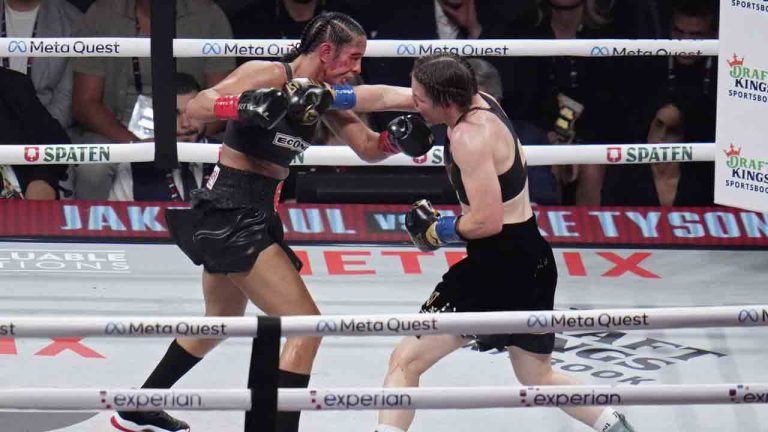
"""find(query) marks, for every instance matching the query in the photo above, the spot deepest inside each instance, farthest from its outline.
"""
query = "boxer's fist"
(420, 222)
(260, 107)
(408, 134)
(307, 100)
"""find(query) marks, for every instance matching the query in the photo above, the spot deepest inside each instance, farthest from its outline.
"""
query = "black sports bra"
(279, 145)
(512, 181)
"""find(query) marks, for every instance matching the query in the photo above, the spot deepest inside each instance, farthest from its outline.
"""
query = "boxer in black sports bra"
(509, 265)
(232, 229)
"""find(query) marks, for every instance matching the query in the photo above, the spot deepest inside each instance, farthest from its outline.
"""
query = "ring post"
(262, 376)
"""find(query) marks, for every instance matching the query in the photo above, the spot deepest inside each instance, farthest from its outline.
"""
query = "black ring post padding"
(163, 82)
(263, 375)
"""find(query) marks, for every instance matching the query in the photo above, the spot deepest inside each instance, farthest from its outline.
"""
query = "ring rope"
(140, 47)
(536, 155)
(395, 324)
(376, 398)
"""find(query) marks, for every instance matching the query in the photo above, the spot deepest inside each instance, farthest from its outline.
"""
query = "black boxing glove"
(307, 100)
(429, 230)
(261, 107)
(408, 134)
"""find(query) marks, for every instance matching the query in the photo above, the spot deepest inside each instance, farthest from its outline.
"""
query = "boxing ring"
(680, 351)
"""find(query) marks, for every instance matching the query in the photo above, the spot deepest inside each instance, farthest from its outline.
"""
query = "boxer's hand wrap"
(429, 230)
(344, 97)
(408, 134)
(308, 100)
(261, 107)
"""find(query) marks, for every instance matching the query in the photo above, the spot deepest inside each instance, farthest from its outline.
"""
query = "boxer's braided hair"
(447, 78)
(335, 27)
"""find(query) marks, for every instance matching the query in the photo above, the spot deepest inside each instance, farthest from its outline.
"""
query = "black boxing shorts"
(513, 270)
(231, 221)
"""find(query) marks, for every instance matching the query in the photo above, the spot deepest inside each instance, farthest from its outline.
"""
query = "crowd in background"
(552, 100)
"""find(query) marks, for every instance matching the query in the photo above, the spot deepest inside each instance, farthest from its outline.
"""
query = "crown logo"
(735, 61)
(732, 151)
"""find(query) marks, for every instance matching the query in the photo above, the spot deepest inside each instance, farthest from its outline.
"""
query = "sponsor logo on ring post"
(741, 394)
(47, 46)
(747, 316)
(365, 326)
(365, 401)
(406, 50)
(15, 46)
(8, 329)
(573, 399)
(538, 320)
(748, 81)
(210, 48)
(644, 154)
(604, 51)
(613, 154)
(324, 326)
(148, 329)
(69, 153)
(746, 173)
(604, 320)
(151, 401)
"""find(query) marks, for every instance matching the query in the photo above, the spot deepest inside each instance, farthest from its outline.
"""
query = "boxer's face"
(424, 105)
(341, 64)
(667, 126)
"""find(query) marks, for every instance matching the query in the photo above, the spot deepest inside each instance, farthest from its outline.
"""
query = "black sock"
(175, 364)
(289, 421)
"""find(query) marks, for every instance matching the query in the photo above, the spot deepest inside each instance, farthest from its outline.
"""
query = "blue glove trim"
(446, 229)
(345, 98)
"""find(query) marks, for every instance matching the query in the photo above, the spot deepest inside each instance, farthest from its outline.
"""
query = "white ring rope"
(390, 325)
(140, 47)
(344, 156)
(375, 398)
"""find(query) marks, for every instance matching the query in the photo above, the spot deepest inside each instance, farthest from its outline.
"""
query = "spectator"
(674, 118)
(51, 76)
(107, 88)
(690, 19)
(432, 19)
(639, 19)
(281, 19)
(573, 96)
(24, 120)
(143, 182)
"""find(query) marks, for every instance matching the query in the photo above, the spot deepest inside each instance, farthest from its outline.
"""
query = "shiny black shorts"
(231, 221)
(514, 270)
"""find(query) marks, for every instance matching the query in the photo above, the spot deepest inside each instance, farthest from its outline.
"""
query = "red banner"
(644, 226)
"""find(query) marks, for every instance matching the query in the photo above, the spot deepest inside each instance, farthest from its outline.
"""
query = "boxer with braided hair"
(232, 229)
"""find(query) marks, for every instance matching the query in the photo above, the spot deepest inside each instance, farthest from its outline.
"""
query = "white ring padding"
(466, 323)
(344, 156)
(140, 47)
(376, 398)
(53, 154)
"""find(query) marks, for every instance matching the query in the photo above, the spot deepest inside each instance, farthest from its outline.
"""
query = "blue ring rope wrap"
(345, 97)
(446, 230)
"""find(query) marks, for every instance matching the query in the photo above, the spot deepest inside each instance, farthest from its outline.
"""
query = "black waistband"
(229, 187)
(512, 236)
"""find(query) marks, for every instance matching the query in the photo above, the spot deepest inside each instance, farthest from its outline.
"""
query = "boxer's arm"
(472, 152)
(351, 130)
(249, 76)
(371, 98)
